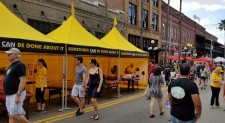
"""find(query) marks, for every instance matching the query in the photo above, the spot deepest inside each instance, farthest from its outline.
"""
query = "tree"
(222, 25)
(222, 28)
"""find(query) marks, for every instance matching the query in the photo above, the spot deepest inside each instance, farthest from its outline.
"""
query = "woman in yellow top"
(216, 81)
(41, 84)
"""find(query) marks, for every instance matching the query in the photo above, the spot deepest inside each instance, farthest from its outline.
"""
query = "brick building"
(193, 36)
(46, 15)
(142, 22)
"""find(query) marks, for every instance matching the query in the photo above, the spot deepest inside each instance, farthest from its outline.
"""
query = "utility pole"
(179, 44)
(167, 30)
(141, 42)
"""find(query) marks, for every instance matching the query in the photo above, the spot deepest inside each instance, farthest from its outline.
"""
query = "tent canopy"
(116, 40)
(13, 27)
(202, 58)
(79, 40)
(16, 33)
(219, 59)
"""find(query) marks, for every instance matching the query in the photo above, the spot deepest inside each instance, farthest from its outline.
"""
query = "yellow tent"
(116, 40)
(139, 66)
(79, 40)
(16, 33)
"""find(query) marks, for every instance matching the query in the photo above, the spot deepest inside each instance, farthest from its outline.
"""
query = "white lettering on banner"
(93, 51)
(8, 44)
(34, 46)
(47, 47)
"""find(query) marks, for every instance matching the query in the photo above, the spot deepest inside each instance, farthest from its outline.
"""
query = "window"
(155, 3)
(132, 14)
(99, 35)
(145, 19)
(135, 40)
(155, 22)
(175, 33)
(42, 26)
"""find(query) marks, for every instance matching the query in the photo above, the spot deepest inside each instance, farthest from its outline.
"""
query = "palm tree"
(222, 27)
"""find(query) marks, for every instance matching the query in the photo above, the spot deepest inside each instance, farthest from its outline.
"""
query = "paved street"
(135, 109)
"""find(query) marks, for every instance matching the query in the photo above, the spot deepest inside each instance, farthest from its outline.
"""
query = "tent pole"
(118, 77)
(66, 108)
(63, 80)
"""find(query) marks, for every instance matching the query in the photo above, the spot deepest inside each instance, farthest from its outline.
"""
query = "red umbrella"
(189, 58)
(176, 58)
(204, 59)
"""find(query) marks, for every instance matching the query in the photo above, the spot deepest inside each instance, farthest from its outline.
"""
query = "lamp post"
(185, 52)
(152, 48)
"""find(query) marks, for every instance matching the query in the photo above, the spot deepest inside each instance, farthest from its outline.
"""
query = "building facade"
(142, 23)
(47, 15)
(193, 36)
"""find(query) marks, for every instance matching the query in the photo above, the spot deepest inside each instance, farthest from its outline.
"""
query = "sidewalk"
(52, 108)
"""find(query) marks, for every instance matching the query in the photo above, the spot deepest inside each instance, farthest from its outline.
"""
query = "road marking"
(71, 114)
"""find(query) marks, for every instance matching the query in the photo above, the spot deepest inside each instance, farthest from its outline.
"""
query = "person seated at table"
(129, 73)
(41, 84)
(95, 79)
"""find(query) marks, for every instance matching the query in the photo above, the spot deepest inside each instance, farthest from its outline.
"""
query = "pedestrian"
(79, 85)
(156, 81)
(216, 81)
(41, 85)
(14, 87)
(203, 74)
(208, 73)
(151, 70)
(184, 98)
(95, 79)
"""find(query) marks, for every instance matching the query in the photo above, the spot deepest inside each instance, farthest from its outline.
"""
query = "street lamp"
(185, 52)
(152, 48)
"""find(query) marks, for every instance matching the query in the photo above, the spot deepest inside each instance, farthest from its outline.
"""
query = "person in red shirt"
(151, 68)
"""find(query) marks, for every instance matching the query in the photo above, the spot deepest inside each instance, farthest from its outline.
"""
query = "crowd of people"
(184, 81)
(15, 80)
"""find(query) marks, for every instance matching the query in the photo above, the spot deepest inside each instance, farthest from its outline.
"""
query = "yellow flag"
(115, 21)
(72, 8)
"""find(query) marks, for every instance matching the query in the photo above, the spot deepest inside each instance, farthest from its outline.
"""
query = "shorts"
(202, 77)
(12, 107)
(76, 91)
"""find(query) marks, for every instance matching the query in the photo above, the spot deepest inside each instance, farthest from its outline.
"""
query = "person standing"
(95, 79)
(184, 98)
(41, 85)
(215, 86)
(79, 85)
(151, 68)
(156, 81)
(14, 87)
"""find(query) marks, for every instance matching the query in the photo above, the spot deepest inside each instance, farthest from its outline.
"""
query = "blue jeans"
(175, 120)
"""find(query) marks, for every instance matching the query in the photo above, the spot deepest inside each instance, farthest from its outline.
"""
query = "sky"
(210, 12)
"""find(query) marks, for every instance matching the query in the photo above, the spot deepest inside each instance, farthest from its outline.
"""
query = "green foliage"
(222, 25)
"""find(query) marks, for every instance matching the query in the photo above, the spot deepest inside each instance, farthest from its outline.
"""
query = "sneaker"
(79, 109)
(43, 111)
(37, 112)
(79, 113)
